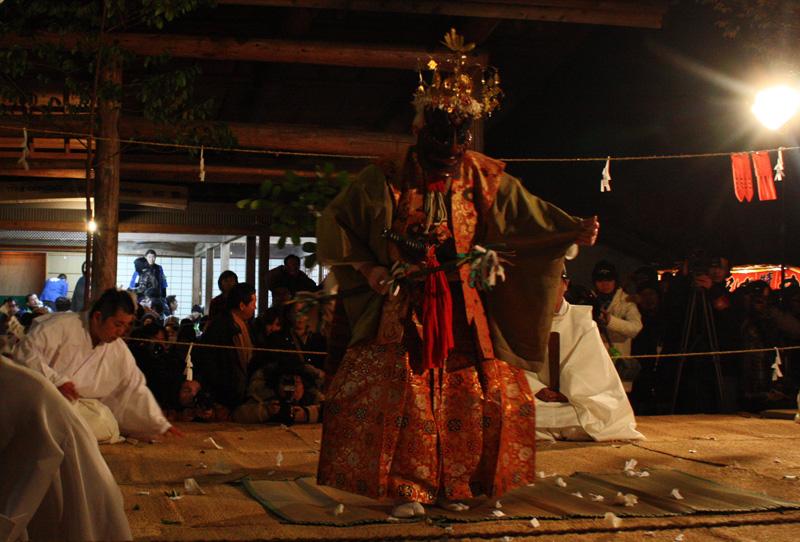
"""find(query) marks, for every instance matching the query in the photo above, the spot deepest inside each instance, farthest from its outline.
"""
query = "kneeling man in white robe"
(84, 356)
(591, 403)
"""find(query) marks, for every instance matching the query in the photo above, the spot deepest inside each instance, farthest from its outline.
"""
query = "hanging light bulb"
(91, 226)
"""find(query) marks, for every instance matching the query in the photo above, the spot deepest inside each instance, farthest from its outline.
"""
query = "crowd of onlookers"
(230, 365)
(694, 310)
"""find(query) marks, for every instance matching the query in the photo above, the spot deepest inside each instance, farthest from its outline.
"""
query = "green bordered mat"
(582, 495)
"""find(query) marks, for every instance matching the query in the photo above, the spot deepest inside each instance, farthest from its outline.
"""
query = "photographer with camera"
(286, 396)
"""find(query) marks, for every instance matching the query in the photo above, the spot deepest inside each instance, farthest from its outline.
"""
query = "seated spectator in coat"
(289, 278)
(162, 370)
(269, 333)
(83, 355)
(591, 403)
(10, 307)
(618, 319)
(63, 304)
(286, 396)
(34, 305)
(226, 281)
(222, 372)
(171, 306)
(196, 313)
(54, 287)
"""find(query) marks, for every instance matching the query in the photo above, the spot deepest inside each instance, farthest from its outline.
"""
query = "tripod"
(690, 340)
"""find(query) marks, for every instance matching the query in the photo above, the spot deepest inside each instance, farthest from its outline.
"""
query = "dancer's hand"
(377, 277)
(589, 230)
(551, 396)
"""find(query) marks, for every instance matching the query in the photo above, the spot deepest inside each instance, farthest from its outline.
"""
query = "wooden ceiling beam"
(630, 13)
(273, 137)
(183, 173)
(255, 50)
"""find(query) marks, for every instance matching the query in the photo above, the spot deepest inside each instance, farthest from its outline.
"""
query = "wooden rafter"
(631, 13)
(277, 137)
(254, 50)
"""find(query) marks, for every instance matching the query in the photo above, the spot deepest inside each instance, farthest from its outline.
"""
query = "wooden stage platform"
(755, 454)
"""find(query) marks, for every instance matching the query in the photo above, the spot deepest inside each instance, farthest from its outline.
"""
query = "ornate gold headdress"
(468, 90)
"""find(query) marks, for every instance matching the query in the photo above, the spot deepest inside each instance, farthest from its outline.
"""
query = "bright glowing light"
(91, 226)
(776, 105)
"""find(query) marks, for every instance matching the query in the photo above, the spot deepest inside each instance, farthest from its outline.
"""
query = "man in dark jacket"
(148, 278)
(222, 372)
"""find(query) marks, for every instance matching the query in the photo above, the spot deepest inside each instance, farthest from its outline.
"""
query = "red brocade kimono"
(393, 430)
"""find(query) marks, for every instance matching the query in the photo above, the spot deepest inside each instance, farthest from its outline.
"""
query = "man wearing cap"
(590, 402)
(617, 316)
(430, 403)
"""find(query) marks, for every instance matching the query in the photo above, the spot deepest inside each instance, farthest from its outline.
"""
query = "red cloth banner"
(742, 176)
(763, 170)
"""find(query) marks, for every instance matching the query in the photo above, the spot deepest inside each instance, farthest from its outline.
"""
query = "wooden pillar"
(106, 197)
(263, 271)
(224, 257)
(197, 277)
(250, 260)
(209, 278)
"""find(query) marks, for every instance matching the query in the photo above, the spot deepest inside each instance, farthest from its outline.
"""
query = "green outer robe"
(519, 310)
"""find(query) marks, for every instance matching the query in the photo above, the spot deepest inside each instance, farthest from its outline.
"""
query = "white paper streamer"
(213, 442)
(202, 165)
(23, 159)
(188, 364)
(605, 182)
(779, 165)
(776, 366)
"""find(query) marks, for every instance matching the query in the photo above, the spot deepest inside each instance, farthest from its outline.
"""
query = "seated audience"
(591, 402)
(63, 304)
(222, 372)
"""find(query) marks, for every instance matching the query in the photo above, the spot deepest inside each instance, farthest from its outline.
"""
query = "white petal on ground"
(596, 498)
(630, 464)
(612, 519)
(577, 494)
(498, 513)
(498, 505)
(627, 499)
(560, 482)
(790, 477)
(213, 442)
(534, 522)
(143, 493)
(679, 538)
(278, 458)
(676, 494)
(339, 510)
(191, 487)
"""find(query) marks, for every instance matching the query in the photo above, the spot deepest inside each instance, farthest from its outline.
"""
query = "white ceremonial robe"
(54, 484)
(59, 347)
(598, 407)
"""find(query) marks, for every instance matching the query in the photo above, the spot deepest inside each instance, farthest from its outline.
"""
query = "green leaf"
(281, 242)
(266, 188)
(296, 240)
(243, 203)
(310, 261)
(255, 204)
(309, 246)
